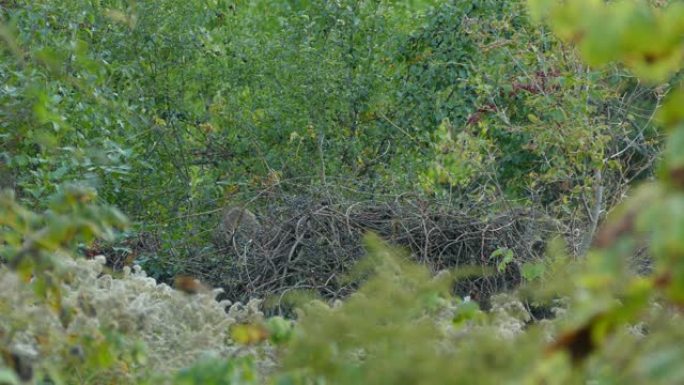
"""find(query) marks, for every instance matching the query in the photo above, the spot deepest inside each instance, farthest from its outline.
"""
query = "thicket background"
(174, 110)
(464, 131)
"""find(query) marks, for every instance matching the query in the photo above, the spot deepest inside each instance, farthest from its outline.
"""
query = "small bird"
(189, 285)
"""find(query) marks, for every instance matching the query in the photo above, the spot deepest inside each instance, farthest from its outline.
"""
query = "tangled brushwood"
(310, 243)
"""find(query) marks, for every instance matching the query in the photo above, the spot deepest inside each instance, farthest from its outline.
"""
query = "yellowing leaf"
(248, 334)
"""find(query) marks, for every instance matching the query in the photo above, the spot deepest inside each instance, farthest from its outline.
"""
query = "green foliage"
(378, 330)
(533, 270)
(279, 329)
(403, 327)
(33, 244)
(618, 327)
(646, 39)
(173, 109)
(192, 103)
(505, 256)
(65, 321)
(218, 372)
(62, 120)
(35, 306)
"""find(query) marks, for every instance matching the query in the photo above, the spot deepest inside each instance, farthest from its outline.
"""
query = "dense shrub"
(65, 320)
(174, 109)
(68, 321)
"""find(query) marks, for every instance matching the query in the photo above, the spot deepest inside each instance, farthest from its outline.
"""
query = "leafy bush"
(173, 109)
(66, 321)
(615, 327)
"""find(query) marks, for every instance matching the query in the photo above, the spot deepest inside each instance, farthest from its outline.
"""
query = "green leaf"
(533, 270)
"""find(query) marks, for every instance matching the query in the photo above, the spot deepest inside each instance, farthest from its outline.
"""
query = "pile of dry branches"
(310, 243)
